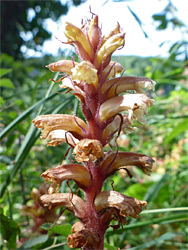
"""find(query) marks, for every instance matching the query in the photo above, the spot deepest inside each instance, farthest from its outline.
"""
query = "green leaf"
(9, 230)
(64, 229)
(175, 218)
(109, 247)
(180, 128)
(4, 71)
(156, 242)
(36, 241)
(7, 83)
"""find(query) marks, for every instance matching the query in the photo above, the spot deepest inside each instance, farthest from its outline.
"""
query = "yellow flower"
(85, 72)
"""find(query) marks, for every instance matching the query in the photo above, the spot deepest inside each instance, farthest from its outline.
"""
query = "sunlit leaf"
(6, 83)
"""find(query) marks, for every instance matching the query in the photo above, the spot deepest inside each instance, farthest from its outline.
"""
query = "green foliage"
(26, 25)
(64, 229)
(9, 230)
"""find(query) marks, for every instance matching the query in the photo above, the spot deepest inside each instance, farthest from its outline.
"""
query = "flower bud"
(94, 33)
(62, 66)
(77, 37)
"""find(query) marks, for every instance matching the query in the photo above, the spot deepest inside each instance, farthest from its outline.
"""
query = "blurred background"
(156, 47)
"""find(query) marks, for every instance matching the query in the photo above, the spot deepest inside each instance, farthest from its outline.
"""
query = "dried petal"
(136, 104)
(127, 206)
(88, 150)
(74, 34)
(52, 122)
(58, 136)
(62, 66)
(122, 84)
(84, 238)
(86, 72)
(75, 172)
(124, 159)
(78, 226)
(112, 69)
(71, 201)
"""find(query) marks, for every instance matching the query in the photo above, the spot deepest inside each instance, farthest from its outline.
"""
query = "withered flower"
(107, 114)
(88, 150)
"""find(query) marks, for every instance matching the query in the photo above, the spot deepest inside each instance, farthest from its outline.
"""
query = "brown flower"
(124, 159)
(75, 172)
(88, 150)
(53, 122)
(71, 201)
(127, 206)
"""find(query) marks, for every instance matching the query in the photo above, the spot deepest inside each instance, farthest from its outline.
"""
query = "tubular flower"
(107, 115)
(50, 123)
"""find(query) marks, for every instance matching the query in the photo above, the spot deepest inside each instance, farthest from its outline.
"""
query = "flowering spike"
(93, 80)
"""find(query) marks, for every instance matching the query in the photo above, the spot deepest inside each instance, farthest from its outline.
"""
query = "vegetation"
(26, 93)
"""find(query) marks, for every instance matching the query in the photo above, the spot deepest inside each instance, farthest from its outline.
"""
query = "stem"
(93, 218)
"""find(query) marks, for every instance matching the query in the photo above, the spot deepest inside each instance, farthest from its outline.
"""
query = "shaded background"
(26, 92)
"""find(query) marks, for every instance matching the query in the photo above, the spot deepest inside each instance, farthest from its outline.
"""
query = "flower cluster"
(107, 113)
